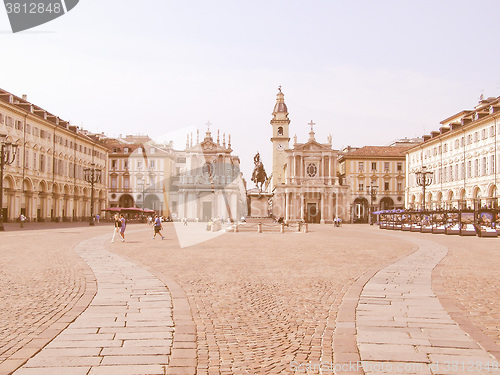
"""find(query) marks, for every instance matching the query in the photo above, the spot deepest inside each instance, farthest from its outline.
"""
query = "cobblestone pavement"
(249, 303)
(127, 328)
(42, 286)
(262, 301)
(470, 277)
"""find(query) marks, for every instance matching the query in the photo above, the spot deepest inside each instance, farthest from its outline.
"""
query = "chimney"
(25, 97)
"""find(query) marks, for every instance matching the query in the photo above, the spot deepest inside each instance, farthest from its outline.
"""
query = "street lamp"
(372, 191)
(92, 175)
(424, 179)
(8, 153)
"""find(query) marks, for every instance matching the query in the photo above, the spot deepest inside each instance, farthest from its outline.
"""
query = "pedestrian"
(22, 219)
(118, 224)
(185, 221)
(122, 227)
(157, 227)
(97, 217)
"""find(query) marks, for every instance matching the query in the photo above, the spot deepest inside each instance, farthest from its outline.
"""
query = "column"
(321, 208)
(336, 204)
(287, 206)
(302, 208)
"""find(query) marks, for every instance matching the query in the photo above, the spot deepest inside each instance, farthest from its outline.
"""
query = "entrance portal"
(312, 213)
(207, 211)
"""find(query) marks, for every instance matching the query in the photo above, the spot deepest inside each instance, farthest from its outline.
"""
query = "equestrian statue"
(259, 174)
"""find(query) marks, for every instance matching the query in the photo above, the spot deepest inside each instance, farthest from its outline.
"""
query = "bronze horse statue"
(259, 174)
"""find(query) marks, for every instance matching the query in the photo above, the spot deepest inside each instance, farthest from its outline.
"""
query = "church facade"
(304, 180)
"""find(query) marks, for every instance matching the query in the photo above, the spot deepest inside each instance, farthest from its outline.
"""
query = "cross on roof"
(208, 125)
(279, 88)
(312, 124)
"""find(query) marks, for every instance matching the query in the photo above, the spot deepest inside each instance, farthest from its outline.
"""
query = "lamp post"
(92, 175)
(8, 153)
(424, 179)
(141, 187)
(372, 191)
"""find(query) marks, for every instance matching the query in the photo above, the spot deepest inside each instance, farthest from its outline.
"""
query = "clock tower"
(280, 139)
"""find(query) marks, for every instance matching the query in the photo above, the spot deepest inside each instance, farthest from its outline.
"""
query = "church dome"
(280, 105)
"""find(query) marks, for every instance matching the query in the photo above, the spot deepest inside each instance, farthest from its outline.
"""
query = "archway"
(476, 197)
(360, 210)
(386, 203)
(152, 202)
(126, 201)
(27, 199)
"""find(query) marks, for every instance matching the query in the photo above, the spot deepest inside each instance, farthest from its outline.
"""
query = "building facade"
(207, 182)
(46, 180)
(463, 156)
(304, 180)
(140, 173)
(376, 177)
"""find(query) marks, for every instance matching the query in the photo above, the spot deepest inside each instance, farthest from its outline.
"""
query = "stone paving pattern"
(471, 276)
(247, 302)
(260, 301)
(39, 283)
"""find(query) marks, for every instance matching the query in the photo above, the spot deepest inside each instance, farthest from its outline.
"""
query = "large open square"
(351, 300)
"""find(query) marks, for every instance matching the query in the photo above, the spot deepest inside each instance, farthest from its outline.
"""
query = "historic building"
(376, 177)
(46, 180)
(463, 156)
(208, 182)
(140, 173)
(201, 182)
(304, 179)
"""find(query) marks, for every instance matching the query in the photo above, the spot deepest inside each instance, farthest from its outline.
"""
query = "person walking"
(122, 227)
(118, 224)
(157, 227)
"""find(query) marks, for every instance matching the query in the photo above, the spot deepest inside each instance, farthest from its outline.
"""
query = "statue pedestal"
(258, 206)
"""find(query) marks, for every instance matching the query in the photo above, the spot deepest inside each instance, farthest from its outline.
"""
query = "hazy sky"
(368, 72)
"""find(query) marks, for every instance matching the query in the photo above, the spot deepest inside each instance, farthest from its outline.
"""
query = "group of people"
(121, 224)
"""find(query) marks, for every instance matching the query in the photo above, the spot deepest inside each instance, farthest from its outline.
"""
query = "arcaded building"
(46, 180)
(463, 156)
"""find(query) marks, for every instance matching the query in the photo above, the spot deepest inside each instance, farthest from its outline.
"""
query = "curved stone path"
(403, 328)
(127, 329)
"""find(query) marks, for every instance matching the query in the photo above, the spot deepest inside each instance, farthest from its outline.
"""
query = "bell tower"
(280, 139)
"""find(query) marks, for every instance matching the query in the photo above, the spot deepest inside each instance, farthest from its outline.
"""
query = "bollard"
(282, 229)
(300, 227)
(306, 229)
(259, 228)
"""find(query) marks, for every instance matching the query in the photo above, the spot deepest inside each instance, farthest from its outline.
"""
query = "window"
(476, 167)
(456, 172)
(400, 167)
(151, 164)
(42, 163)
(27, 159)
(113, 164)
(139, 165)
(1, 118)
(492, 131)
(280, 130)
(125, 150)
(445, 147)
(361, 186)
(462, 171)
(361, 166)
(476, 136)
(483, 134)
(469, 169)
(34, 161)
(113, 182)
(457, 143)
(492, 164)
(125, 164)
(484, 171)
(386, 185)
(386, 166)
(312, 169)
(374, 166)
(126, 182)
(400, 186)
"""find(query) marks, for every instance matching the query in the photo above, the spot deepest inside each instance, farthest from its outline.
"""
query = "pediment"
(312, 146)
(208, 146)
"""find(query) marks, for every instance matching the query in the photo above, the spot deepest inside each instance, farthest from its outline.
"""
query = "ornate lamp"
(92, 175)
(424, 179)
(8, 153)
